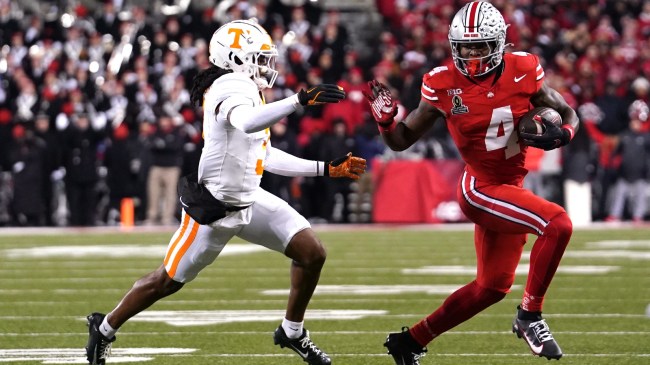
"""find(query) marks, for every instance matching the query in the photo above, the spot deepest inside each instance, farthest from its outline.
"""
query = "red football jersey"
(482, 117)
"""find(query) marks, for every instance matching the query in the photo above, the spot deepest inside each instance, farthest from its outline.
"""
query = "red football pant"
(503, 215)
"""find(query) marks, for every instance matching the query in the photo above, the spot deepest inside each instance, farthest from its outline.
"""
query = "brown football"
(533, 121)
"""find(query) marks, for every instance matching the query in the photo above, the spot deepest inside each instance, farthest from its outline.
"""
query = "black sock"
(528, 316)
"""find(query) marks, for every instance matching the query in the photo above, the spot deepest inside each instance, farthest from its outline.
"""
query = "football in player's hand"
(533, 121)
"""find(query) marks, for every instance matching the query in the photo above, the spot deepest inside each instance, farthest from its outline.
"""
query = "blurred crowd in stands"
(94, 100)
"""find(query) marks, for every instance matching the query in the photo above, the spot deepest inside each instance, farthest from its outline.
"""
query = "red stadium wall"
(420, 191)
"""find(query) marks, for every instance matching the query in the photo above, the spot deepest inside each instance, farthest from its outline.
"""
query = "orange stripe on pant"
(186, 221)
(186, 245)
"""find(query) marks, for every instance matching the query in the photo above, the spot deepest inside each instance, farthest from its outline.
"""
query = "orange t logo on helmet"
(238, 32)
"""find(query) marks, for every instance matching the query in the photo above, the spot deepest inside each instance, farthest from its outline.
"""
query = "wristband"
(324, 167)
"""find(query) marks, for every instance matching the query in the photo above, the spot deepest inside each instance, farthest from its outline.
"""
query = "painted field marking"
(77, 356)
(522, 269)
(376, 289)
(102, 290)
(384, 355)
(620, 244)
(135, 355)
(113, 251)
(597, 254)
(281, 302)
(211, 317)
(382, 313)
(333, 333)
(609, 254)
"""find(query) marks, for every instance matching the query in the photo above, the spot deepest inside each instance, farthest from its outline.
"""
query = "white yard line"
(113, 250)
(619, 244)
(337, 333)
(226, 302)
(127, 358)
(402, 315)
(431, 354)
(462, 227)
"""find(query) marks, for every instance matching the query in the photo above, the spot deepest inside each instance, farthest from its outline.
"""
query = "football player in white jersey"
(237, 150)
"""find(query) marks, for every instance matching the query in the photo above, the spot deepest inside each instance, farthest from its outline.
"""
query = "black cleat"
(538, 337)
(98, 347)
(303, 346)
(404, 349)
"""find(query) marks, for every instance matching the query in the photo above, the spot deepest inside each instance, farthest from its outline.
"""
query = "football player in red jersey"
(482, 99)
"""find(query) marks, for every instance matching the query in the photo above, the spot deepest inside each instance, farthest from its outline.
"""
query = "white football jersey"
(232, 161)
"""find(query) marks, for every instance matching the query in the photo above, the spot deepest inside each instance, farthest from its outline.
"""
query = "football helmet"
(639, 110)
(477, 22)
(244, 46)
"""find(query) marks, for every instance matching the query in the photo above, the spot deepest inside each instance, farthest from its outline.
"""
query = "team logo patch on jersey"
(458, 108)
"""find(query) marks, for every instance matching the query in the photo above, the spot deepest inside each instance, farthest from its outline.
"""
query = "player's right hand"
(552, 138)
(382, 105)
(321, 94)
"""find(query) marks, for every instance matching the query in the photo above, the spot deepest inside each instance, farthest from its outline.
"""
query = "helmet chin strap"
(261, 84)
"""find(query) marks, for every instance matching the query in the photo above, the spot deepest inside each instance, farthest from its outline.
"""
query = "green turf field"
(374, 281)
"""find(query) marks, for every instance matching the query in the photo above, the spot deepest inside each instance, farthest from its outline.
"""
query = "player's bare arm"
(553, 136)
(547, 96)
(416, 123)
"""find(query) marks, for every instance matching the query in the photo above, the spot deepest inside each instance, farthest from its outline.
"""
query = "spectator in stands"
(107, 21)
(579, 164)
(632, 156)
(123, 163)
(6, 137)
(52, 144)
(80, 142)
(283, 139)
(351, 110)
(145, 130)
(640, 90)
(369, 146)
(27, 102)
(335, 197)
(8, 23)
(28, 159)
(613, 121)
(166, 147)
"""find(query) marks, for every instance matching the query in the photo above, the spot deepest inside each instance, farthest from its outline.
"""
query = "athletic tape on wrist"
(570, 129)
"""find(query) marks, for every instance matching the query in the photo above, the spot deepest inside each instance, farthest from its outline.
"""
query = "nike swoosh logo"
(536, 349)
(183, 203)
(302, 354)
(517, 79)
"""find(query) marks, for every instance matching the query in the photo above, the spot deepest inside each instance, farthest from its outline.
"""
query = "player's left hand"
(382, 105)
(552, 138)
(346, 166)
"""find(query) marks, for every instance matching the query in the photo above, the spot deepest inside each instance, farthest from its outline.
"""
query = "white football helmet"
(639, 110)
(244, 46)
(475, 22)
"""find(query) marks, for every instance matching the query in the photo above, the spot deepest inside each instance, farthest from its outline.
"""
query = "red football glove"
(383, 107)
(346, 166)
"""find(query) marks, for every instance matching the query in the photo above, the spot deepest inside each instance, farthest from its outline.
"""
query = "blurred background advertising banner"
(416, 191)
